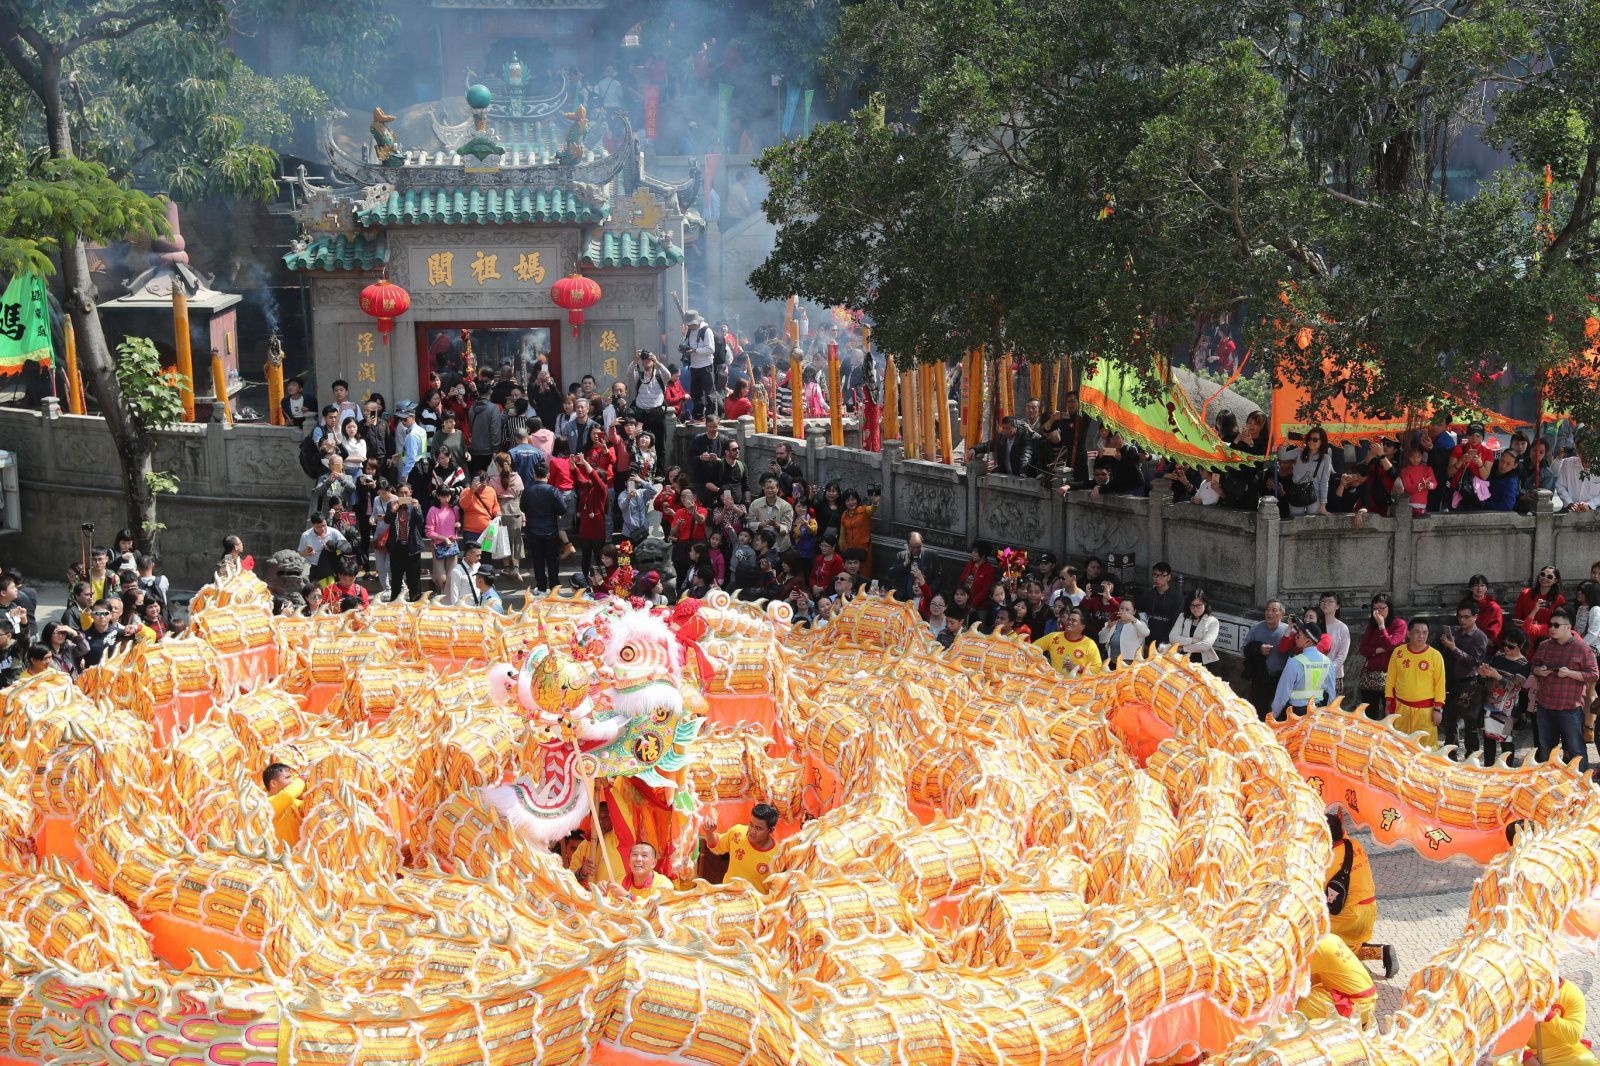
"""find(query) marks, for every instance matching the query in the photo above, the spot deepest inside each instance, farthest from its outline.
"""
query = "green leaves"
(1076, 178)
(67, 196)
(149, 395)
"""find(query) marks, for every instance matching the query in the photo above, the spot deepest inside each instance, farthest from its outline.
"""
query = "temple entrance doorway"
(449, 348)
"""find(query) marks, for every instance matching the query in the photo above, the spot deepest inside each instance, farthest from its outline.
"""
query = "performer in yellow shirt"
(1068, 649)
(590, 863)
(1340, 984)
(1558, 1039)
(284, 789)
(642, 881)
(1414, 691)
(1355, 921)
(750, 847)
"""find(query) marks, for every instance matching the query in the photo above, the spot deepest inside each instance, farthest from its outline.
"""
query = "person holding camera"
(650, 384)
(699, 350)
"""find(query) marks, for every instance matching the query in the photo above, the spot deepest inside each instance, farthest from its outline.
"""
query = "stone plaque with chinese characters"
(499, 267)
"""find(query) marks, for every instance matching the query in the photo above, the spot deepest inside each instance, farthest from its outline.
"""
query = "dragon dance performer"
(1352, 896)
(749, 846)
(1415, 687)
(1340, 984)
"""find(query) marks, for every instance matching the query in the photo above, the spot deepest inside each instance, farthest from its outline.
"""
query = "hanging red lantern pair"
(385, 301)
(575, 294)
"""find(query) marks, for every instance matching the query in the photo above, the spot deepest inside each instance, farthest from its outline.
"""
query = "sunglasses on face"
(102, 614)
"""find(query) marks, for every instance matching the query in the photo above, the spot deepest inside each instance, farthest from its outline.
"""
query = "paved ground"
(1422, 905)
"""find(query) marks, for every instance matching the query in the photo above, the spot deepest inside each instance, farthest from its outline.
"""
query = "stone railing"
(245, 480)
(1241, 558)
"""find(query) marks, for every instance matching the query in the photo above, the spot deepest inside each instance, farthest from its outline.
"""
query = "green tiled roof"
(340, 252)
(633, 248)
(445, 207)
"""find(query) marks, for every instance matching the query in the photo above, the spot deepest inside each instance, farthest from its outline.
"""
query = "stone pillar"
(972, 477)
(1156, 521)
(1544, 533)
(816, 440)
(665, 447)
(1405, 543)
(893, 451)
(1268, 524)
(216, 449)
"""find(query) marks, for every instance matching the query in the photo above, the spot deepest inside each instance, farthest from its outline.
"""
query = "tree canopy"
(1083, 178)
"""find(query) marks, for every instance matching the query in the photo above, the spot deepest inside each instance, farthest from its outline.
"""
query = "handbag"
(1300, 493)
(1339, 887)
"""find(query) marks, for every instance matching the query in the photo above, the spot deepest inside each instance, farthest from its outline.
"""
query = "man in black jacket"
(1011, 450)
(376, 431)
(913, 568)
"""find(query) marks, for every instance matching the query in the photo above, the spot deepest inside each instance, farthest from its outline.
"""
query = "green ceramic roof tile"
(470, 206)
(339, 252)
(630, 248)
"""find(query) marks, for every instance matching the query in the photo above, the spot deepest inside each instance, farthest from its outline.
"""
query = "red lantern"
(385, 301)
(574, 293)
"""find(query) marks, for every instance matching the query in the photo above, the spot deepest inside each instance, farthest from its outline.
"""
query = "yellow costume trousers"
(1318, 1003)
(1354, 924)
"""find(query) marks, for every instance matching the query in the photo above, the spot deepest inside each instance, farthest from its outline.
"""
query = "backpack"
(311, 458)
(719, 353)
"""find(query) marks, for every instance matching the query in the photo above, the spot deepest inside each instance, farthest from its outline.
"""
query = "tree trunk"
(132, 443)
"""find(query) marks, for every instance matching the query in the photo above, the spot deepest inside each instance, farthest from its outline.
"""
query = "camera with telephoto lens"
(684, 349)
(88, 527)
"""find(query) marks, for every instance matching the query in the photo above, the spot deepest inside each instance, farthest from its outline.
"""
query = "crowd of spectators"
(119, 598)
(1468, 686)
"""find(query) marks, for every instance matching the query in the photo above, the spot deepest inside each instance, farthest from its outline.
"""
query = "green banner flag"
(724, 107)
(805, 121)
(24, 324)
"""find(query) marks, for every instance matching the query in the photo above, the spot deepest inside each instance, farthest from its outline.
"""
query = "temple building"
(477, 220)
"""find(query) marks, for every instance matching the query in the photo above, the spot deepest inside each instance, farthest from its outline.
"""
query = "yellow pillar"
(1036, 383)
(275, 383)
(180, 344)
(973, 374)
(891, 401)
(75, 402)
(835, 399)
(926, 431)
(1055, 390)
(1006, 383)
(797, 405)
(908, 412)
(758, 407)
(943, 407)
(219, 385)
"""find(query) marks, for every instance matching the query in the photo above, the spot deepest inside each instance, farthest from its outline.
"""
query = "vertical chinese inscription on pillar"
(609, 342)
(366, 369)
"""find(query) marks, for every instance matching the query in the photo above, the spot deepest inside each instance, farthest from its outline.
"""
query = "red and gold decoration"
(575, 294)
(385, 301)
